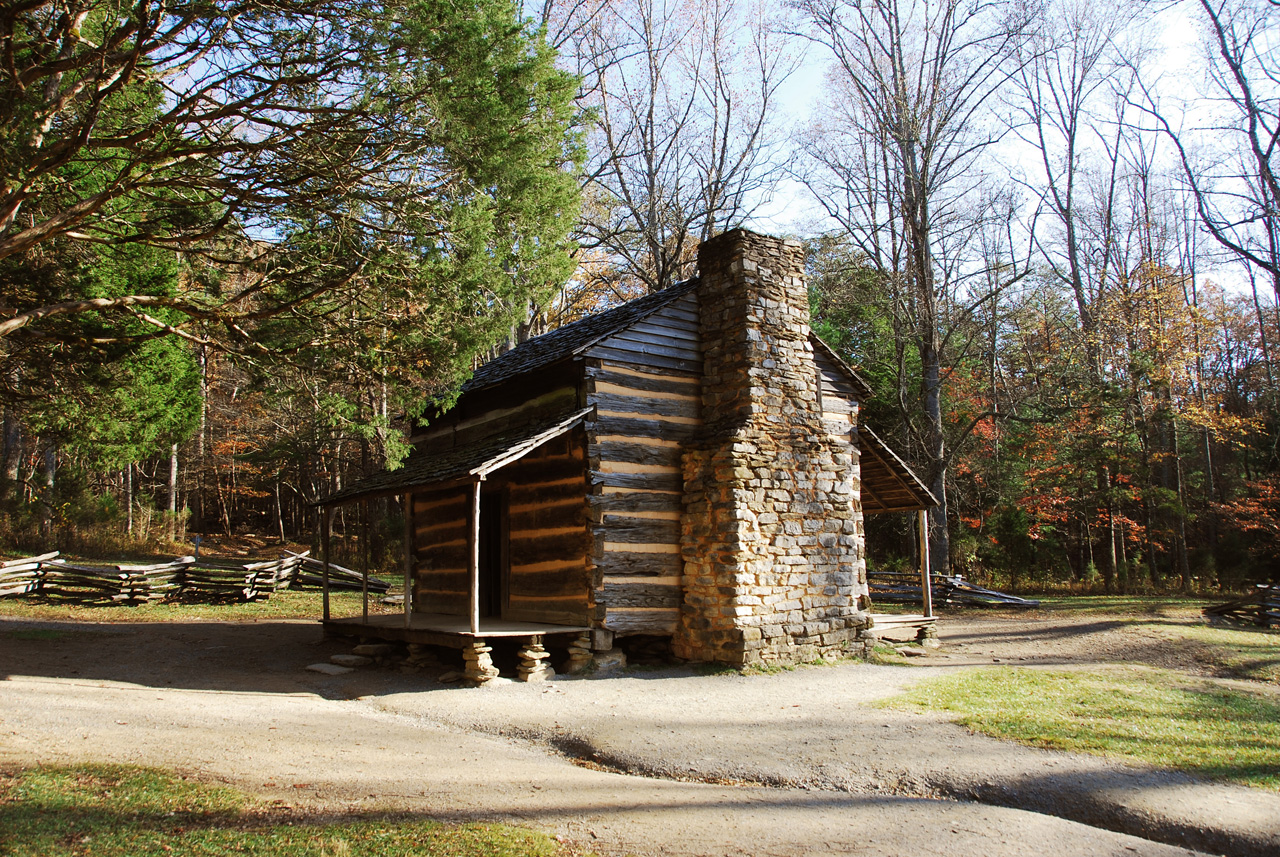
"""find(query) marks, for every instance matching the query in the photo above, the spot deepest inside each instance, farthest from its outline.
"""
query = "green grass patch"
(1237, 652)
(1128, 605)
(114, 811)
(1155, 716)
(302, 604)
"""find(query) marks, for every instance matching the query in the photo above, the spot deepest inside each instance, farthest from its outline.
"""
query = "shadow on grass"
(116, 811)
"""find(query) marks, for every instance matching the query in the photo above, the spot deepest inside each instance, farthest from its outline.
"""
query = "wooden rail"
(903, 588)
(1262, 608)
(52, 578)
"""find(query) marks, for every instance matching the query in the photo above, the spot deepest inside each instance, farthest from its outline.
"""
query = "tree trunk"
(12, 453)
(50, 472)
(173, 492)
(939, 535)
(196, 497)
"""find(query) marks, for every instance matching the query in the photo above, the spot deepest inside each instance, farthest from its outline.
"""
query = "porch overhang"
(459, 466)
(888, 484)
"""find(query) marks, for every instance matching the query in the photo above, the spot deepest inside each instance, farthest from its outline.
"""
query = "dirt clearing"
(650, 762)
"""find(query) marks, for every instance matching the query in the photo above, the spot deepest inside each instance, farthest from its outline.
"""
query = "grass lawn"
(1131, 605)
(113, 811)
(301, 604)
(1240, 652)
(1149, 715)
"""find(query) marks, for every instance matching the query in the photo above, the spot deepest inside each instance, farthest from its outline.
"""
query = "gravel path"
(787, 764)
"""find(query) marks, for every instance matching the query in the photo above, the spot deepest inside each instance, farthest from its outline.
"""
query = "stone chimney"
(771, 542)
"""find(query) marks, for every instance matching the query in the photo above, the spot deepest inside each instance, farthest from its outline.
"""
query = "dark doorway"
(493, 553)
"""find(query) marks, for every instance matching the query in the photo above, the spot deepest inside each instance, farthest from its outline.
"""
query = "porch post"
(473, 557)
(409, 530)
(926, 589)
(364, 558)
(326, 523)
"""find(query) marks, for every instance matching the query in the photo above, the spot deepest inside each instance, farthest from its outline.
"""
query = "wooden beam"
(925, 589)
(473, 557)
(364, 558)
(408, 560)
(326, 524)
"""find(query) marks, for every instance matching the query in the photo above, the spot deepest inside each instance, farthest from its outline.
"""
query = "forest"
(244, 245)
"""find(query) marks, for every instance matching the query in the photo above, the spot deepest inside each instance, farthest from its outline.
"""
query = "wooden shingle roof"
(888, 484)
(574, 338)
(472, 461)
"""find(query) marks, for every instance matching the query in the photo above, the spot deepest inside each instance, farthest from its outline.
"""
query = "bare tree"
(686, 131)
(1229, 152)
(1077, 66)
(897, 162)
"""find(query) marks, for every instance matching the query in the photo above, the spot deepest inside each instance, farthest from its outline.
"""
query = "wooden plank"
(445, 531)
(832, 377)
(642, 620)
(656, 340)
(671, 328)
(685, 393)
(481, 412)
(574, 615)
(628, 467)
(639, 376)
(643, 351)
(637, 453)
(613, 563)
(673, 482)
(430, 503)
(685, 309)
(641, 595)
(44, 557)
(566, 583)
(617, 528)
(688, 407)
(639, 427)
(565, 566)
(635, 502)
(551, 515)
(450, 555)
(538, 471)
(645, 360)
(552, 548)
(551, 491)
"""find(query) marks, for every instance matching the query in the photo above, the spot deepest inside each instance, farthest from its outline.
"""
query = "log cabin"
(688, 465)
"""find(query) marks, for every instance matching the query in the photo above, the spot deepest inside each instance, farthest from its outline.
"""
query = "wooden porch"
(893, 625)
(440, 629)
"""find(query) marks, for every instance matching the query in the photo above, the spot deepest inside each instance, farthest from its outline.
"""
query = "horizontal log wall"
(526, 400)
(839, 396)
(646, 386)
(441, 547)
(549, 539)
(547, 546)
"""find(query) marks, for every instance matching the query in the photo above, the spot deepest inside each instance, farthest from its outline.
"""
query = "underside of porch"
(441, 629)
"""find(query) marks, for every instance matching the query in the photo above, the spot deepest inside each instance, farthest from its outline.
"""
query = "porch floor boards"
(902, 620)
(440, 629)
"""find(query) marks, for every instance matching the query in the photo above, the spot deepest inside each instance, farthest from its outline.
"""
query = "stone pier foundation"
(478, 667)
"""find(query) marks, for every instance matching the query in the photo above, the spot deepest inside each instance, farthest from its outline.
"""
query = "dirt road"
(788, 764)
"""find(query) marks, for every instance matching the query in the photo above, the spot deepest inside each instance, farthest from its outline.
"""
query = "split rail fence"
(1261, 608)
(47, 576)
(901, 588)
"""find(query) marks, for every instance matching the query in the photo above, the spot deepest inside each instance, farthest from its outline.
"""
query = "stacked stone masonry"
(771, 541)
